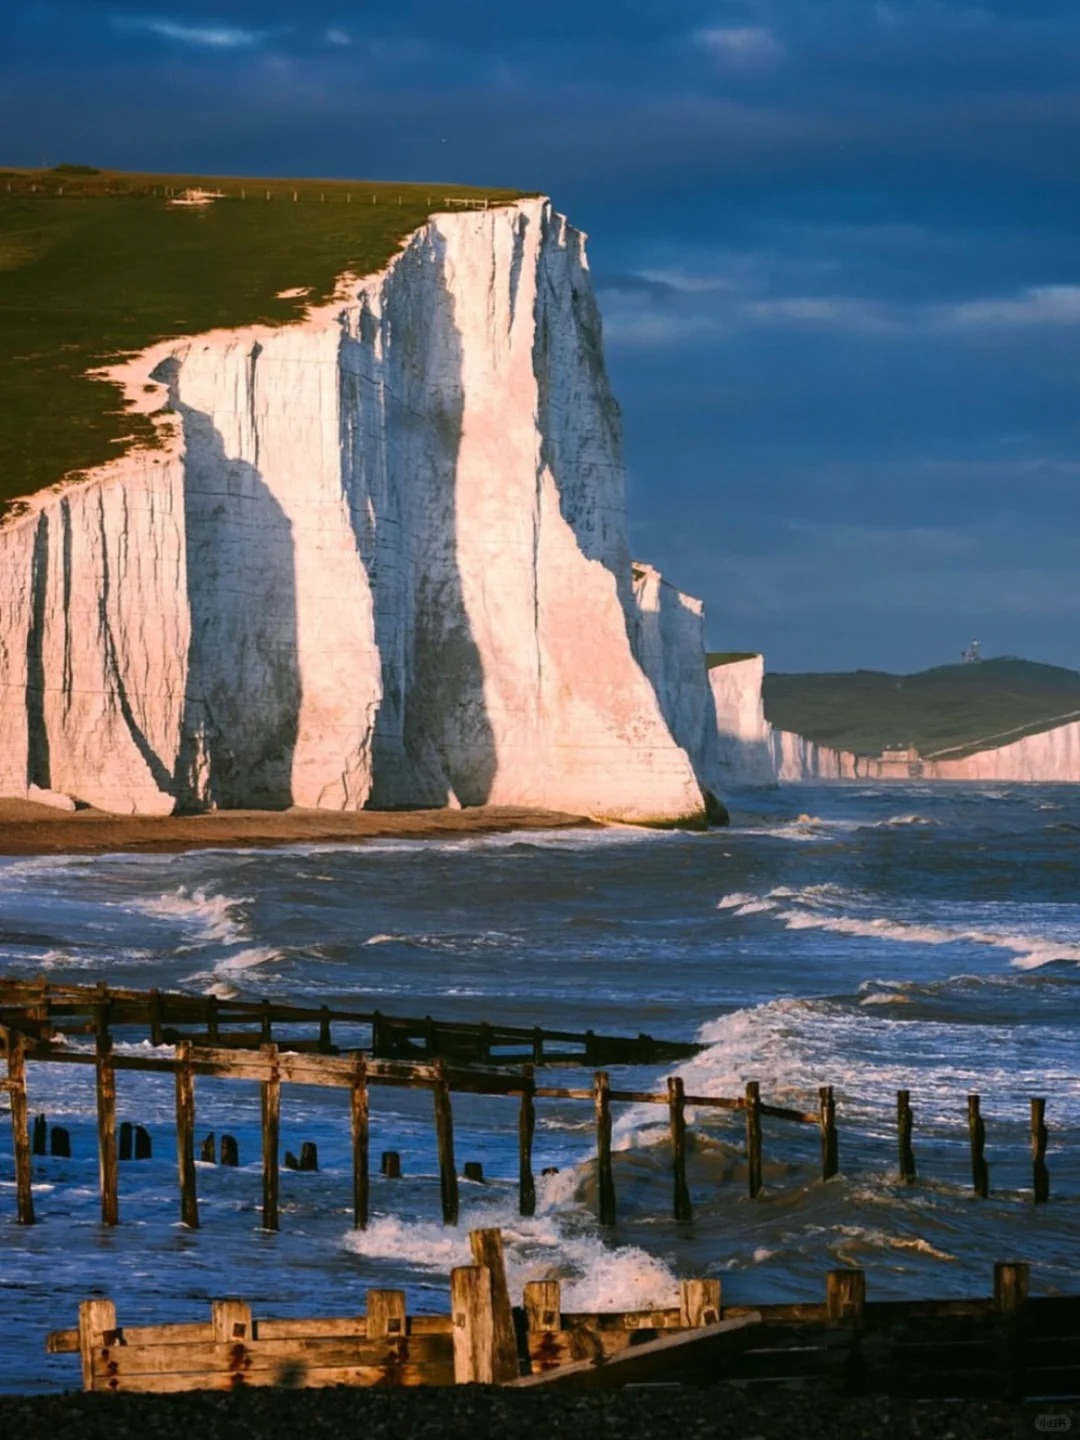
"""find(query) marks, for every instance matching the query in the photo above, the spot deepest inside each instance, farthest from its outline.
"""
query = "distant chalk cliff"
(380, 560)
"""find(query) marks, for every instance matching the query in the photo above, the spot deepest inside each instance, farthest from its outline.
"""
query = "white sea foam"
(845, 912)
(201, 915)
(555, 1245)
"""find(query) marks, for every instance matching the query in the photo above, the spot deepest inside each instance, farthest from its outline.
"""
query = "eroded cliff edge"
(381, 559)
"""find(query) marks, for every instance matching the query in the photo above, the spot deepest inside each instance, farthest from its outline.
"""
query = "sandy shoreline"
(29, 829)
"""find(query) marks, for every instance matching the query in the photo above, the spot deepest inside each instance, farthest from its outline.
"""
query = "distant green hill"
(96, 264)
(960, 708)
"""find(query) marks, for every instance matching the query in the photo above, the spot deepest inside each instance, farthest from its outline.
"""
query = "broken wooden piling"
(682, 1208)
(185, 1135)
(605, 1180)
(980, 1173)
(526, 1131)
(1040, 1174)
(830, 1157)
(905, 1124)
(753, 1137)
(444, 1130)
(270, 1092)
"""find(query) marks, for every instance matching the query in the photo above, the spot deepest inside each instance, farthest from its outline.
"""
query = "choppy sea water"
(871, 938)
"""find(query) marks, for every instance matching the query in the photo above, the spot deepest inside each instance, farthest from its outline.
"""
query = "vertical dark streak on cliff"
(521, 224)
(432, 735)
(243, 694)
(65, 527)
(37, 735)
(114, 671)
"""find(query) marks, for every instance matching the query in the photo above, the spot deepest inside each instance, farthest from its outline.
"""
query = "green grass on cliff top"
(95, 265)
(961, 708)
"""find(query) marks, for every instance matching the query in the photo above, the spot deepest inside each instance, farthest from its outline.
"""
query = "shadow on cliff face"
(242, 702)
(402, 405)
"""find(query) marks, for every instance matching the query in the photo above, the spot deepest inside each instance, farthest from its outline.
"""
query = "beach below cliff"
(466, 1412)
(31, 829)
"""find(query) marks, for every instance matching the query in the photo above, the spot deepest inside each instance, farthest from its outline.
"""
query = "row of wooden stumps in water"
(271, 1067)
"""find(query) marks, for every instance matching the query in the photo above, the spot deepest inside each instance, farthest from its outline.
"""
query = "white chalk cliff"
(380, 559)
(669, 642)
(744, 735)
(753, 752)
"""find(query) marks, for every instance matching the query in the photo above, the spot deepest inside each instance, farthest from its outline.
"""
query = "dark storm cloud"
(837, 244)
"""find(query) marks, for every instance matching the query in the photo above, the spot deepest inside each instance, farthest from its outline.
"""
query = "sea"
(871, 938)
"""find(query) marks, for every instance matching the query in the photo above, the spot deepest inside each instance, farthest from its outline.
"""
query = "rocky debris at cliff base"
(467, 1412)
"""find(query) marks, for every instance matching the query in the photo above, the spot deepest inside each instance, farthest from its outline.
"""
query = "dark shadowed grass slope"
(960, 708)
(95, 265)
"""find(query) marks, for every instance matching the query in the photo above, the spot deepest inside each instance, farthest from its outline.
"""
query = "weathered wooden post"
(15, 1043)
(753, 1137)
(360, 1135)
(830, 1156)
(538, 1045)
(154, 1008)
(309, 1156)
(487, 1250)
(542, 1300)
(185, 1135)
(208, 1150)
(271, 1136)
(41, 1132)
(699, 1303)
(144, 1148)
(390, 1165)
(106, 1115)
(230, 1151)
(605, 1180)
(326, 1043)
(905, 1124)
(980, 1173)
(845, 1295)
(474, 1325)
(127, 1140)
(97, 1318)
(474, 1171)
(386, 1315)
(444, 1130)
(1011, 1278)
(60, 1142)
(1010, 1301)
(267, 1023)
(483, 1043)
(526, 1130)
(683, 1209)
(1040, 1174)
(212, 1030)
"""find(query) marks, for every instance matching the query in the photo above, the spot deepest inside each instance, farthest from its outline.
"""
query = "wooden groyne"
(47, 1011)
(40, 1024)
(1008, 1344)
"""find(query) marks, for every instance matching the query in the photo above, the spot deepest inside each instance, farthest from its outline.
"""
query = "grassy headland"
(95, 265)
(960, 708)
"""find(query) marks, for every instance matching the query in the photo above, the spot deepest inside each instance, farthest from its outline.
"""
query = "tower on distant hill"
(972, 655)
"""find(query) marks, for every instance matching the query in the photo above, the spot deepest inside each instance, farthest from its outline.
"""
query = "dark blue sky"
(836, 243)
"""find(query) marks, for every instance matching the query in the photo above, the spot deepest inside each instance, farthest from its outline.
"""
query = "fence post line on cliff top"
(526, 1130)
(681, 1206)
(753, 1137)
(271, 1137)
(15, 1042)
(605, 1180)
(1040, 1176)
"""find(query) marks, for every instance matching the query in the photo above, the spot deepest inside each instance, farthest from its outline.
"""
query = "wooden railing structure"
(39, 1022)
(1008, 1345)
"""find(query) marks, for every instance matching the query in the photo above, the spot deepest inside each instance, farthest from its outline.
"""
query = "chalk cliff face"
(744, 735)
(381, 559)
(1052, 756)
(670, 645)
